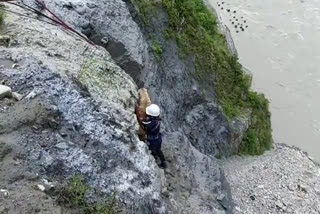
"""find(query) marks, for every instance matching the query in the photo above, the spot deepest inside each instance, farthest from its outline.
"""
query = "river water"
(279, 41)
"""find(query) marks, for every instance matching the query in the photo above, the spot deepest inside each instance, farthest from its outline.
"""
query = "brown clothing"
(143, 103)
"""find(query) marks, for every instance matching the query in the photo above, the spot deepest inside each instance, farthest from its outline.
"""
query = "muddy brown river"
(279, 41)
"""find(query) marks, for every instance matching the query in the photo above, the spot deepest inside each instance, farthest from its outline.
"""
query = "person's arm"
(151, 126)
(146, 123)
(155, 125)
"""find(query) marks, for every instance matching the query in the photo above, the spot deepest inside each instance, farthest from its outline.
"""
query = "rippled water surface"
(281, 46)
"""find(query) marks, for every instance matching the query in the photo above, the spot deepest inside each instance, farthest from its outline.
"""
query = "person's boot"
(163, 165)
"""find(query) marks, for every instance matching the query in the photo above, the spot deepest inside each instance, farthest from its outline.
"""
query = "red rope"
(56, 19)
(64, 24)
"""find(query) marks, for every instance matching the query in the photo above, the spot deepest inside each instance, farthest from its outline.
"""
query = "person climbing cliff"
(152, 127)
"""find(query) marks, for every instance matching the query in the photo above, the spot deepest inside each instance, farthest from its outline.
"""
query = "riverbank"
(280, 46)
(282, 180)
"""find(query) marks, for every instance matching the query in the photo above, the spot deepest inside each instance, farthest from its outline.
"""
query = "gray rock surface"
(78, 118)
(185, 103)
(283, 180)
(238, 128)
(194, 180)
(195, 130)
(206, 123)
(97, 120)
(108, 24)
(86, 105)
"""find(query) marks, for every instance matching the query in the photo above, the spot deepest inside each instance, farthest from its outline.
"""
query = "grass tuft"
(157, 50)
(73, 194)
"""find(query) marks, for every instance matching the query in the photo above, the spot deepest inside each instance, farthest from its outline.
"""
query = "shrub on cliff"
(258, 137)
(157, 50)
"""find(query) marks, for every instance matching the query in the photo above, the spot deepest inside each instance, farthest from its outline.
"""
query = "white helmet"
(153, 110)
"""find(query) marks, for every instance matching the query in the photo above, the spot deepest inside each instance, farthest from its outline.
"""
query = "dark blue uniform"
(152, 128)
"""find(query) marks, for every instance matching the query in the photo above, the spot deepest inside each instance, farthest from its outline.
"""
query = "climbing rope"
(55, 20)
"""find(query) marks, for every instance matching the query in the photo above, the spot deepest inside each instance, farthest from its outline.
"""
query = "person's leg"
(153, 150)
(161, 156)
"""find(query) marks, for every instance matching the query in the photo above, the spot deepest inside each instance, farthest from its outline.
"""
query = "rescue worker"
(154, 137)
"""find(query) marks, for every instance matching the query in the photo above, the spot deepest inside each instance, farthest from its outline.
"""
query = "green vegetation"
(259, 136)
(194, 27)
(2, 16)
(72, 195)
(157, 50)
(145, 9)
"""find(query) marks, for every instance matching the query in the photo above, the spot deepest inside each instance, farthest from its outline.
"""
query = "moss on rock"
(107, 82)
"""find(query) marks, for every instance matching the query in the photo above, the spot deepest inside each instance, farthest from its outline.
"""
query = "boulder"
(5, 91)
(4, 41)
(4, 192)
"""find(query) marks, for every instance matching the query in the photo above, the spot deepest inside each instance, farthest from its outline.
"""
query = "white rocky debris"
(284, 180)
(62, 146)
(47, 184)
(41, 187)
(4, 192)
(17, 96)
(31, 95)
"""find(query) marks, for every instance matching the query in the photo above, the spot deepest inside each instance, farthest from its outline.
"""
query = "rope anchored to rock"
(55, 20)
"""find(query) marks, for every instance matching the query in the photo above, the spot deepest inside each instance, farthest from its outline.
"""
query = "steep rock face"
(107, 23)
(189, 108)
(195, 129)
(206, 123)
(195, 181)
(78, 115)
(170, 81)
(187, 103)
